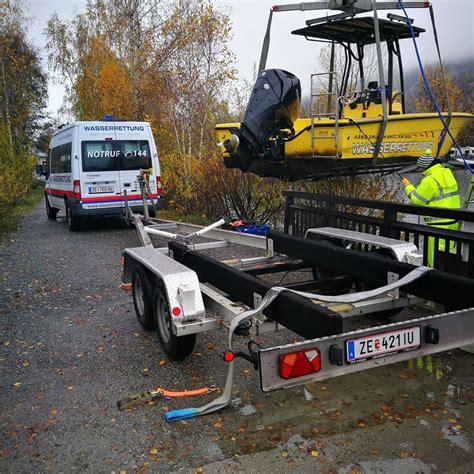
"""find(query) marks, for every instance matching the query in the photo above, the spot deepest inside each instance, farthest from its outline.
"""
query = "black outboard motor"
(272, 109)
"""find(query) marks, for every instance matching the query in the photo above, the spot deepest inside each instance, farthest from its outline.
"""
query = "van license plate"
(378, 345)
(101, 189)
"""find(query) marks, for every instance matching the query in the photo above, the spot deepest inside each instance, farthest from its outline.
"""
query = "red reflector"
(176, 311)
(297, 364)
(228, 356)
(159, 187)
(76, 189)
(109, 138)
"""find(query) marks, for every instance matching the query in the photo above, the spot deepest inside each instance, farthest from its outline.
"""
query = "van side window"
(61, 159)
(48, 164)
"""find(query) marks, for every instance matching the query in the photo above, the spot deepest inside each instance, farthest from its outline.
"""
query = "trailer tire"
(176, 348)
(73, 222)
(51, 212)
(363, 286)
(335, 283)
(142, 299)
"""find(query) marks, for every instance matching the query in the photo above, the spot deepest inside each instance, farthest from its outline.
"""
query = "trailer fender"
(180, 283)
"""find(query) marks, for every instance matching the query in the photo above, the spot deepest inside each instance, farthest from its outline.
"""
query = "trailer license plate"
(377, 345)
(101, 189)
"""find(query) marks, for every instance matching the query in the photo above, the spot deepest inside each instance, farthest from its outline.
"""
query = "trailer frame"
(228, 294)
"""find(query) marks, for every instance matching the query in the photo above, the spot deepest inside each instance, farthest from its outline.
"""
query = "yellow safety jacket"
(438, 188)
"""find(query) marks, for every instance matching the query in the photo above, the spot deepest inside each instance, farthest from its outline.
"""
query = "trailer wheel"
(51, 212)
(334, 283)
(177, 348)
(142, 299)
(363, 286)
(73, 222)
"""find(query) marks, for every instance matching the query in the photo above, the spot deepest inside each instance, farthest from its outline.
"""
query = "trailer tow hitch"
(251, 357)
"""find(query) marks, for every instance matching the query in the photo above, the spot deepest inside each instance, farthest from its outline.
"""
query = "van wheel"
(142, 299)
(176, 348)
(73, 222)
(51, 212)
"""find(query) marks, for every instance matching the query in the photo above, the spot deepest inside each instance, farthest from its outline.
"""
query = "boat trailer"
(180, 292)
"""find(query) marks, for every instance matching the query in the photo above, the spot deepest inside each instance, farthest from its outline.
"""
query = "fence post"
(289, 201)
(389, 217)
(331, 220)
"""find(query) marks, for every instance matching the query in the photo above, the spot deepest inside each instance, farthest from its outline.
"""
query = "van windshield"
(115, 155)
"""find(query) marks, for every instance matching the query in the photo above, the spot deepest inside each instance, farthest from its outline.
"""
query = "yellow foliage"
(435, 79)
(104, 86)
(459, 90)
(16, 172)
(179, 174)
(207, 188)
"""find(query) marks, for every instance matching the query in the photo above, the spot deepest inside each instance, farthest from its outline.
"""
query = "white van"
(467, 151)
(91, 164)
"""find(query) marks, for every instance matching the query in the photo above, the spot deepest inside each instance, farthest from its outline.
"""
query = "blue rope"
(428, 88)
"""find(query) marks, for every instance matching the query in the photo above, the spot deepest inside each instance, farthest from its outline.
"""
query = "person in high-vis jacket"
(438, 188)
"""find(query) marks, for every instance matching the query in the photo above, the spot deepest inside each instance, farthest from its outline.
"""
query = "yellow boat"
(348, 131)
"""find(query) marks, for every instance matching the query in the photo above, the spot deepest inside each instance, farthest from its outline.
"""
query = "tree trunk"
(176, 132)
(201, 136)
(190, 134)
(7, 106)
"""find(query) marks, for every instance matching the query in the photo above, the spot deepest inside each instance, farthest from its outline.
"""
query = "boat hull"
(406, 137)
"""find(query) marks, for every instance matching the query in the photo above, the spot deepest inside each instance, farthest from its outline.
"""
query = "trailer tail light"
(76, 189)
(297, 364)
(159, 187)
(176, 311)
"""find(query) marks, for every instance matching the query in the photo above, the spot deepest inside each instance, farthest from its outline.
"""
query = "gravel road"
(71, 347)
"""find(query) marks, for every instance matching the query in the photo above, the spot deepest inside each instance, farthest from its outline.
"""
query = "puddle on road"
(248, 410)
(454, 435)
(405, 466)
(431, 389)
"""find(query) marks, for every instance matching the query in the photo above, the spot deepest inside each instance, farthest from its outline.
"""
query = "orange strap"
(186, 393)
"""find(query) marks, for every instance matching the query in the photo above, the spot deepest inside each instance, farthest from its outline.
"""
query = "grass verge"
(10, 221)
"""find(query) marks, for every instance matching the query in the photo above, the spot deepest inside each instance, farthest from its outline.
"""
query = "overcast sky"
(454, 18)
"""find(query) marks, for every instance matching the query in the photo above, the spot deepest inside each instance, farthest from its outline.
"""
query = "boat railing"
(324, 104)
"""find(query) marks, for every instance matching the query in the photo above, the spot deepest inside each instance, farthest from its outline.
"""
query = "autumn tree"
(22, 80)
(443, 90)
(22, 102)
(103, 85)
(197, 75)
(111, 43)
(455, 88)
